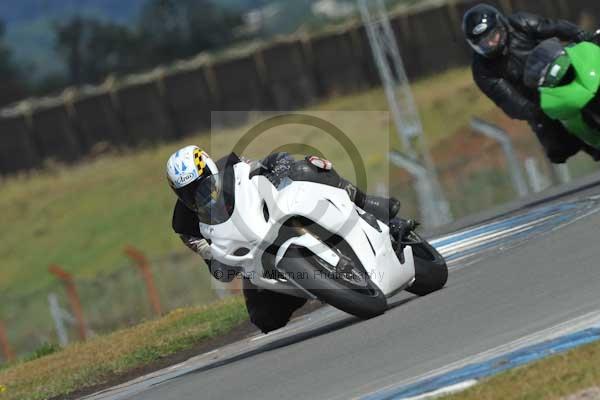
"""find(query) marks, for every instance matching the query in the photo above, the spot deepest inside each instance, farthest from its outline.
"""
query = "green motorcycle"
(568, 81)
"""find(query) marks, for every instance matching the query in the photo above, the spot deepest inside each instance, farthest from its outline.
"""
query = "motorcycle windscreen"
(212, 199)
(585, 58)
(566, 102)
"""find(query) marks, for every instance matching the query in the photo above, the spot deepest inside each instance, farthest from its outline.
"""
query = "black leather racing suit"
(501, 79)
(271, 310)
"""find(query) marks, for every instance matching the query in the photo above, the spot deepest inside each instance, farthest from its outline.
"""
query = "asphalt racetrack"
(513, 280)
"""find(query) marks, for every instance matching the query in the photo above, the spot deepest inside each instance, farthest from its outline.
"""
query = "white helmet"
(195, 179)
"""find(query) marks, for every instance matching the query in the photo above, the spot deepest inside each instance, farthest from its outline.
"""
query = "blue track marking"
(491, 367)
(504, 224)
(513, 239)
(509, 232)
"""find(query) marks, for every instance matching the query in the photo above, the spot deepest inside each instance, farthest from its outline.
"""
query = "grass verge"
(106, 359)
(552, 378)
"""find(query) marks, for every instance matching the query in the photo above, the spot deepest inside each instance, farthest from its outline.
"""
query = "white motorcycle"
(310, 240)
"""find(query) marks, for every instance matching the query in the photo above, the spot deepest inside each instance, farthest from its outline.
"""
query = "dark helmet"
(486, 30)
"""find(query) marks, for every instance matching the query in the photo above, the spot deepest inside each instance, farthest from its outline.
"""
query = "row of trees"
(92, 49)
(166, 30)
(11, 84)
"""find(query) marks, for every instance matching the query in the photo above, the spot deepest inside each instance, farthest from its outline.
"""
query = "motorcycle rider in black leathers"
(268, 310)
(501, 46)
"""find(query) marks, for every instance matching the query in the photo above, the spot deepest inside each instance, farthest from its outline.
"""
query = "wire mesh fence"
(482, 181)
(109, 302)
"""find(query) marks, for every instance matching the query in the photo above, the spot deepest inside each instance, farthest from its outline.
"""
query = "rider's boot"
(399, 230)
(382, 208)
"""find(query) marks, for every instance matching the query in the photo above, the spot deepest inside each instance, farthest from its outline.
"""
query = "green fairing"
(565, 103)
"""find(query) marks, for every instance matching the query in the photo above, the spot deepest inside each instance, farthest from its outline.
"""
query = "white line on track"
(448, 390)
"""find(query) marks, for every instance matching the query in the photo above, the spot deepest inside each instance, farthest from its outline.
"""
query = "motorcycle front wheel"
(431, 271)
(356, 295)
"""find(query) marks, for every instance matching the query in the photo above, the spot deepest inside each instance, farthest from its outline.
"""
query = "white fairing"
(248, 234)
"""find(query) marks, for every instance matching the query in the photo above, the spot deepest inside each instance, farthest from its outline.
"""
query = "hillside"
(26, 11)
(29, 23)
(29, 26)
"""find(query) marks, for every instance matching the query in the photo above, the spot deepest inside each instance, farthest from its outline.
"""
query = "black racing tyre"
(364, 301)
(431, 271)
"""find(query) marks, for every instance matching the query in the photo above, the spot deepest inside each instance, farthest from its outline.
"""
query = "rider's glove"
(198, 245)
(595, 37)
(585, 36)
(203, 248)
(582, 36)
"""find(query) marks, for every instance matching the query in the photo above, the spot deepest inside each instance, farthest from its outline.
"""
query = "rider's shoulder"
(229, 159)
(185, 221)
(485, 68)
(524, 21)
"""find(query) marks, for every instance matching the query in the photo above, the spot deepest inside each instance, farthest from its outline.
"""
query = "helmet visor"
(209, 200)
(491, 43)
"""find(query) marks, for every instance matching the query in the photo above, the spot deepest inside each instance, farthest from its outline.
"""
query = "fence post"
(74, 300)
(404, 111)
(429, 204)
(500, 136)
(59, 316)
(562, 172)
(141, 263)
(537, 179)
(4, 345)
